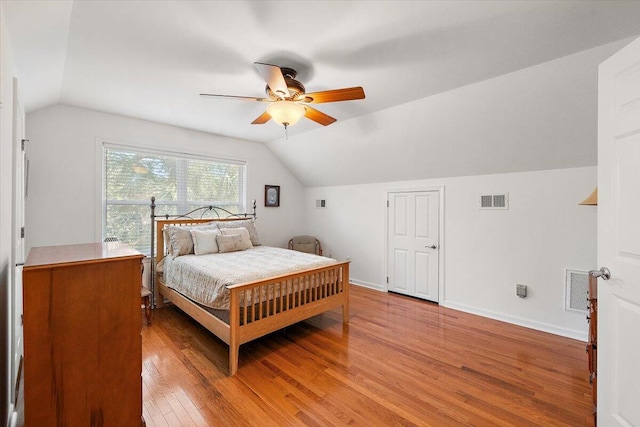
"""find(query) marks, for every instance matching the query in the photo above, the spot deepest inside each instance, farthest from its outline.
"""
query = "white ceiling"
(151, 59)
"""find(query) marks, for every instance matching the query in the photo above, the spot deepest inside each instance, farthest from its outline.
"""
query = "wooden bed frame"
(297, 297)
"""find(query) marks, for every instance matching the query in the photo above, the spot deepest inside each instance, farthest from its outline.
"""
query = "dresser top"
(71, 254)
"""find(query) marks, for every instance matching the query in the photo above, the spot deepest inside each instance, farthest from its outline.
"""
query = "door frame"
(441, 244)
(17, 189)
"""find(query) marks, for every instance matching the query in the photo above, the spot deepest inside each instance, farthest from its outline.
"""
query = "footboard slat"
(268, 305)
(259, 314)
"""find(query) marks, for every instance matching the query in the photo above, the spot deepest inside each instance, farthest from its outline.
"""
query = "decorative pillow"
(180, 240)
(231, 243)
(204, 241)
(249, 224)
(243, 232)
(167, 241)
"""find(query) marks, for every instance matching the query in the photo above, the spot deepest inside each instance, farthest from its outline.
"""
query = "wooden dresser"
(82, 341)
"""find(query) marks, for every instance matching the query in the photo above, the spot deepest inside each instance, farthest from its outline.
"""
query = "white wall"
(7, 73)
(486, 252)
(64, 177)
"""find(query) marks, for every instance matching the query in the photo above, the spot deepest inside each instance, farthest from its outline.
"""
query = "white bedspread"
(204, 278)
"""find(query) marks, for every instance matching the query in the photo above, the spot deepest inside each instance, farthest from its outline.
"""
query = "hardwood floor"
(400, 361)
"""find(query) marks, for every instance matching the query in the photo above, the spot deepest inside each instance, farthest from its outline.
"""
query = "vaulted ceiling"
(151, 59)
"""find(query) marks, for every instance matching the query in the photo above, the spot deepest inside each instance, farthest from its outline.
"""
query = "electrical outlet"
(521, 291)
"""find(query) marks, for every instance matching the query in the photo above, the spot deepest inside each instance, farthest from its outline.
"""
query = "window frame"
(101, 202)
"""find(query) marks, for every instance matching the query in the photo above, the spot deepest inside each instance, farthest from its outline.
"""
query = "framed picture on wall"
(272, 195)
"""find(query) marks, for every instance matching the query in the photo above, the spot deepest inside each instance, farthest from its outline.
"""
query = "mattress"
(204, 278)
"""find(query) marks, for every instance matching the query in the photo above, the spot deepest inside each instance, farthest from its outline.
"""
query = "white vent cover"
(494, 201)
(321, 204)
(577, 290)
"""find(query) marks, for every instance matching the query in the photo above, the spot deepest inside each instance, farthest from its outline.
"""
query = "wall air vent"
(494, 201)
(577, 290)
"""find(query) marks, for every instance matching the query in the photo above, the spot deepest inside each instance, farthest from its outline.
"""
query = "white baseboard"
(366, 284)
(527, 323)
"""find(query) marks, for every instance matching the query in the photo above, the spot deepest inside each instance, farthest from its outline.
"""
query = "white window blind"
(179, 183)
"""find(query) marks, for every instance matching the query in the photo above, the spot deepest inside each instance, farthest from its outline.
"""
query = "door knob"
(603, 272)
(432, 247)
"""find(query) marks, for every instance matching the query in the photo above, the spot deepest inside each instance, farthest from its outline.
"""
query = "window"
(179, 183)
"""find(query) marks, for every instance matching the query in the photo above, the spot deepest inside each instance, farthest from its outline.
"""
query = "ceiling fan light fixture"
(286, 113)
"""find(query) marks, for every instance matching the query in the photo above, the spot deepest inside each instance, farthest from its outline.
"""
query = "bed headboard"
(159, 222)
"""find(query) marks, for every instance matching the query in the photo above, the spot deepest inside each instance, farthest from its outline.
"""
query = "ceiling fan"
(287, 98)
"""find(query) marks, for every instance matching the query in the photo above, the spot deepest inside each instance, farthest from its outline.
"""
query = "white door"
(619, 238)
(413, 243)
(18, 249)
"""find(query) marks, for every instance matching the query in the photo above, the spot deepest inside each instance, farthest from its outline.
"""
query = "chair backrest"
(308, 244)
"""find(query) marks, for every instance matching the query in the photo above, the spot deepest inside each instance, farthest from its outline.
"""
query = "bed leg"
(159, 297)
(345, 302)
(345, 313)
(234, 325)
(160, 301)
(233, 359)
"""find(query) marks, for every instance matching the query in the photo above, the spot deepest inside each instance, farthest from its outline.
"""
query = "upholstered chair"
(308, 244)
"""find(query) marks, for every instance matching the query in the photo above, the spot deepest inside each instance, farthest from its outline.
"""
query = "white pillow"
(243, 232)
(204, 241)
(180, 240)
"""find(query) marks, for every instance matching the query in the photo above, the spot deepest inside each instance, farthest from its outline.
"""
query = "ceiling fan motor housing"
(296, 89)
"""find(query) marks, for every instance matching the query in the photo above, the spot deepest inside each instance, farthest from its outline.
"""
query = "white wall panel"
(422, 273)
(400, 258)
(422, 211)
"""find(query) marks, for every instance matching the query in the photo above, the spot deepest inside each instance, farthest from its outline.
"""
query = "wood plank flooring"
(400, 361)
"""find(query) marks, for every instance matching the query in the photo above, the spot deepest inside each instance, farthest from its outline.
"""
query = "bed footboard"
(265, 306)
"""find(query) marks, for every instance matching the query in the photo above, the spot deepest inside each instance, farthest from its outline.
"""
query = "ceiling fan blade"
(272, 74)
(248, 98)
(347, 94)
(262, 119)
(318, 116)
